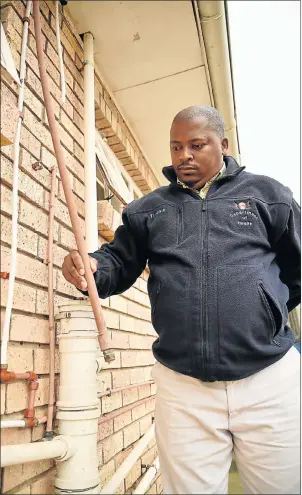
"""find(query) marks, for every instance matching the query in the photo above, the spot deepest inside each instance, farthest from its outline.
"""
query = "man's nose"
(186, 155)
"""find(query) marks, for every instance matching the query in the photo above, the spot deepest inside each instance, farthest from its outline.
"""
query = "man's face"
(196, 151)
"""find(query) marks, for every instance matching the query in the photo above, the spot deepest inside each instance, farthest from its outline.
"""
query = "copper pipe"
(51, 319)
(121, 411)
(28, 375)
(10, 376)
(71, 205)
(111, 391)
(30, 411)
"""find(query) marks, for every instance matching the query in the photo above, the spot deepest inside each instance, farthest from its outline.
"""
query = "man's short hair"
(210, 114)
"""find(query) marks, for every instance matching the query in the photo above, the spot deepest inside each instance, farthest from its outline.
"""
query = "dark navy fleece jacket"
(224, 271)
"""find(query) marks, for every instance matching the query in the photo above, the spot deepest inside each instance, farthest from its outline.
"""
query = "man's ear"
(225, 146)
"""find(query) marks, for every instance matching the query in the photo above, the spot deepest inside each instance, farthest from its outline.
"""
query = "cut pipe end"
(109, 355)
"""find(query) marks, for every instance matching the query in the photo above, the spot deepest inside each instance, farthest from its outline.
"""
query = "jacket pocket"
(247, 316)
(155, 299)
(272, 309)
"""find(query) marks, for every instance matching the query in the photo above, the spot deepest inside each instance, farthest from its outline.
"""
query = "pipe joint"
(7, 376)
(4, 275)
(31, 422)
(70, 447)
(109, 355)
(33, 385)
(26, 19)
(29, 413)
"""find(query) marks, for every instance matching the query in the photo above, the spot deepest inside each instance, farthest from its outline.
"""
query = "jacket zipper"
(179, 225)
(204, 330)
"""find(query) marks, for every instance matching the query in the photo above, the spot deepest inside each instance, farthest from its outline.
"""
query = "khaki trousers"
(199, 425)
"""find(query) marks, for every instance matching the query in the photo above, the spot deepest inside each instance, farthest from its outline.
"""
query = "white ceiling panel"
(149, 55)
(138, 41)
(151, 108)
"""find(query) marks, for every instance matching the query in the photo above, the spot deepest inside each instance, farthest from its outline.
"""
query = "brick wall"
(127, 316)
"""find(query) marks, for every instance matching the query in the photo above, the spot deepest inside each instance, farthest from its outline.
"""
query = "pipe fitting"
(31, 422)
(33, 385)
(109, 355)
(29, 413)
(7, 376)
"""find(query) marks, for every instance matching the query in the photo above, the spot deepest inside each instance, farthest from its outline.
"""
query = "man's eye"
(175, 148)
(197, 146)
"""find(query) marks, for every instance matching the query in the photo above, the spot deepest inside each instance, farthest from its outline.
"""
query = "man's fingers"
(70, 278)
(93, 264)
(73, 269)
(77, 261)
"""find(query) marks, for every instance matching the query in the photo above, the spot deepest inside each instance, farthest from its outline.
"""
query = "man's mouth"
(187, 168)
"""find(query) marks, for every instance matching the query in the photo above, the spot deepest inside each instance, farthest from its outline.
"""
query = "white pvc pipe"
(149, 476)
(214, 29)
(59, 48)
(78, 408)
(128, 463)
(10, 423)
(91, 219)
(16, 151)
(37, 451)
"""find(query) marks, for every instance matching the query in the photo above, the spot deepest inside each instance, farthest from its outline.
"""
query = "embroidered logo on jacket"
(152, 215)
(243, 205)
(242, 214)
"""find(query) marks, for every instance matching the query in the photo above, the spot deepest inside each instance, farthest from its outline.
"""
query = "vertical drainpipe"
(78, 407)
(91, 222)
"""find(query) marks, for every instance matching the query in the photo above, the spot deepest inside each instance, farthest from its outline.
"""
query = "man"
(223, 250)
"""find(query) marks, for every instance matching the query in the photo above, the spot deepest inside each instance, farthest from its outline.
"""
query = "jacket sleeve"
(289, 256)
(121, 261)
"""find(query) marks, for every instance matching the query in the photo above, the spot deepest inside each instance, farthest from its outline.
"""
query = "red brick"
(16, 397)
(131, 434)
(37, 129)
(122, 421)
(41, 176)
(144, 391)
(79, 153)
(29, 329)
(144, 424)
(133, 475)
(33, 103)
(105, 430)
(3, 399)
(138, 311)
(129, 359)
(106, 473)
(112, 445)
(119, 303)
(9, 113)
(130, 396)
(127, 323)
(70, 65)
(120, 378)
(24, 296)
(120, 340)
(104, 381)
(19, 358)
(15, 436)
(41, 361)
(27, 240)
(111, 402)
(15, 475)
(138, 412)
(43, 485)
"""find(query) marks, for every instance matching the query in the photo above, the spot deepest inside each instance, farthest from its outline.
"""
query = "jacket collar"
(232, 169)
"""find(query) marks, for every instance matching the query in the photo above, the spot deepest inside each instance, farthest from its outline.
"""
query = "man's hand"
(73, 269)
